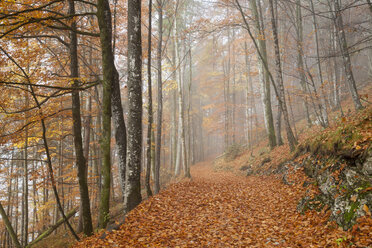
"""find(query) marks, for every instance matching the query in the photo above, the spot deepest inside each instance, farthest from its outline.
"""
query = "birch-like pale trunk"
(323, 106)
(265, 83)
(291, 139)
(300, 61)
(340, 32)
(132, 196)
(180, 107)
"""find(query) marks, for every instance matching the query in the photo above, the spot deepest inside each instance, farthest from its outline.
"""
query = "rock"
(244, 167)
(338, 210)
(328, 187)
(249, 171)
(367, 167)
(352, 177)
(284, 171)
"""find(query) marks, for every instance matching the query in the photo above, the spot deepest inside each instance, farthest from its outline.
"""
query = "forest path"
(221, 209)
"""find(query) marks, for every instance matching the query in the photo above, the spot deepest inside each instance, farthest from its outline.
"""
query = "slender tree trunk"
(25, 184)
(300, 62)
(81, 162)
(292, 115)
(265, 83)
(132, 195)
(103, 14)
(226, 106)
(87, 123)
(35, 194)
(247, 93)
(337, 18)
(189, 159)
(178, 155)
(174, 105)
(180, 109)
(150, 116)
(278, 124)
(291, 139)
(6, 241)
(52, 228)
(323, 106)
(17, 203)
(233, 110)
(336, 74)
(160, 98)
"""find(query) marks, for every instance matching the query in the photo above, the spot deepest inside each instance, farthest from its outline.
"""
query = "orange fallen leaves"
(220, 209)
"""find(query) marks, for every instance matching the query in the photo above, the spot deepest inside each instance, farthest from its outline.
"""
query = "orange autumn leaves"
(220, 209)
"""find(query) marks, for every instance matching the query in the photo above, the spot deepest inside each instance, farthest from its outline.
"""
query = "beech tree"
(132, 194)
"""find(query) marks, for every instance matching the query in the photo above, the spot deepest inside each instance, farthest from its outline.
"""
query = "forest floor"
(225, 209)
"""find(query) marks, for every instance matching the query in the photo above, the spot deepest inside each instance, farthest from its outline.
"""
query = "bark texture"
(340, 32)
(265, 83)
(132, 196)
(81, 162)
(150, 114)
(160, 99)
(291, 139)
(104, 20)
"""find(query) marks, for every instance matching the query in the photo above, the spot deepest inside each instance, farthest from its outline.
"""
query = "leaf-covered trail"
(220, 209)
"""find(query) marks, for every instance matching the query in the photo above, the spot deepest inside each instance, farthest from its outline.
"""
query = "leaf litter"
(223, 209)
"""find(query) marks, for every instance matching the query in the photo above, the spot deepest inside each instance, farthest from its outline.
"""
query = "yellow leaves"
(171, 85)
(366, 210)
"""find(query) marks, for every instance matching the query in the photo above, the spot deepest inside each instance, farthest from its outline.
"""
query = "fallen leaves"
(220, 209)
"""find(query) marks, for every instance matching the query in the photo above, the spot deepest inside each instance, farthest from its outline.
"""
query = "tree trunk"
(340, 32)
(81, 162)
(233, 110)
(180, 108)
(300, 61)
(150, 116)
(336, 74)
(265, 83)
(189, 159)
(248, 110)
(25, 184)
(291, 139)
(174, 106)
(132, 196)
(47, 232)
(278, 124)
(87, 123)
(104, 14)
(323, 106)
(160, 98)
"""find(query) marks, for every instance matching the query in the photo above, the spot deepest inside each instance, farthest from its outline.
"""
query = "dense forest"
(104, 104)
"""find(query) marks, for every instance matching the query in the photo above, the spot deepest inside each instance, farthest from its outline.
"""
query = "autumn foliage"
(223, 209)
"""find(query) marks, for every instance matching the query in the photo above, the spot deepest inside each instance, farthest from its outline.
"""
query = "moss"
(349, 215)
